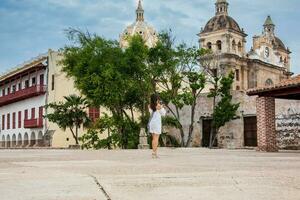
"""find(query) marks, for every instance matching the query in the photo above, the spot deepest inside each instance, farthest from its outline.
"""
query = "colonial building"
(22, 100)
(266, 64)
(25, 91)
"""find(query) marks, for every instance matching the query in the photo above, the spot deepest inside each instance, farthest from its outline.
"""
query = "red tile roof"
(288, 83)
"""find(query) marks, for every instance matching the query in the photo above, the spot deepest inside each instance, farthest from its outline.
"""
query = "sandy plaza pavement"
(179, 174)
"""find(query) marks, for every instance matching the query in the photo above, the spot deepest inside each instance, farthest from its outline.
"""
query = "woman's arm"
(163, 111)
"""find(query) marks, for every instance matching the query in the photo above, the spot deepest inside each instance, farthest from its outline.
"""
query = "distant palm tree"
(70, 114)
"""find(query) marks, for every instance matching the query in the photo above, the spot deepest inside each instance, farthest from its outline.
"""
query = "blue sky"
(31, 27)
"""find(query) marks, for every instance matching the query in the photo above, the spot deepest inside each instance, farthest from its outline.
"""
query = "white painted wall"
(34, 102)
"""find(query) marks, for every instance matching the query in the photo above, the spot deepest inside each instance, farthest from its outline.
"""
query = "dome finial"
(140, 12)
(221, 7)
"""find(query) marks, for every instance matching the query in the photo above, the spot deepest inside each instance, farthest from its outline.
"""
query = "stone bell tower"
(222, 34)
(269, 48)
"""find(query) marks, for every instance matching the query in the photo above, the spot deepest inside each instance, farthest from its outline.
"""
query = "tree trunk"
(191, 128)
(182, 136)
(74, 136)
(109, 139)
(181, 128)
(132, 114)
(76, 139)
(216, 135)
(212, 127)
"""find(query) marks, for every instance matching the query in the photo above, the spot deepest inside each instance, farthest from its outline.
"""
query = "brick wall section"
(266, 132)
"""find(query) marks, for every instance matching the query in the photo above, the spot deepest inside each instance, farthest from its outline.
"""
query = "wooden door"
(250, 131)
(206, 131)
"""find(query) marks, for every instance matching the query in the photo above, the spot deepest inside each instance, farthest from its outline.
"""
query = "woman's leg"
(155, 138)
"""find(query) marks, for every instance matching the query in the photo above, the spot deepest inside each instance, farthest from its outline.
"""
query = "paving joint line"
(101, 187)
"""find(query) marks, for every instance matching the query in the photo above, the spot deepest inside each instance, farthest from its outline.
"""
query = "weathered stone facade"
(232, 135)
(267, 63)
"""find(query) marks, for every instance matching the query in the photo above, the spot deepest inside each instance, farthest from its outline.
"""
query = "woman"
(157, 111)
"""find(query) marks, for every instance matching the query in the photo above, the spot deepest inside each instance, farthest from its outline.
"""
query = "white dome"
(147, 32)
(140, 27)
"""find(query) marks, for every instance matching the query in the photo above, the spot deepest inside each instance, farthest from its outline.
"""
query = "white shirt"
(155, 121)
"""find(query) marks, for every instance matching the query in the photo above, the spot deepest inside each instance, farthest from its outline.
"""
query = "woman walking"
(157, 111)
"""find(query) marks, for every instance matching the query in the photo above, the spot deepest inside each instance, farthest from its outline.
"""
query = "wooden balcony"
(26, 93)
(33, 123)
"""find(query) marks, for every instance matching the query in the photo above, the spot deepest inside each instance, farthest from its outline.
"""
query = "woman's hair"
(153, 103)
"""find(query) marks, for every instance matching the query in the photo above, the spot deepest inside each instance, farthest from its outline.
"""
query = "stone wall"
(232, 134)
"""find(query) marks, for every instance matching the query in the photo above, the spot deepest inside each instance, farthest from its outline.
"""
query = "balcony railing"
(26, 93)
(33, 123)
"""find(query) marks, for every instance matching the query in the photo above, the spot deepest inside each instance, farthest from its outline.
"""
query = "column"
(266, 132)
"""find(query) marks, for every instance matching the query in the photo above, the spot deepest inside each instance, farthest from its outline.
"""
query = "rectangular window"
(8, 90)
(14, 88)
(41, 112)
(94, 113)
(3, 92)
(14, 121)
(52, 82)
(237, 75)
(33, 81)
(42, 79)
(3, 122)
(8, 121)
(32, 113)
(20, 119)
(20, 86)
(27, 84)
(26, 114)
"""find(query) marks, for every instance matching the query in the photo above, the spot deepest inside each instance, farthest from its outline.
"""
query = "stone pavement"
(179, 174)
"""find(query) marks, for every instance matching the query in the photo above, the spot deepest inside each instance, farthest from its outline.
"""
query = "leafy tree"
(225, 110)
(177, 75)
(111, 77)
(70, 114)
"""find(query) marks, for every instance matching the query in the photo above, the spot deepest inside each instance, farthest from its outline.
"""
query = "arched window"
(240, 47)
(233, 45)
(285, 60)
(219, 45)
(281, 60)
(269, 82)
(208, 45)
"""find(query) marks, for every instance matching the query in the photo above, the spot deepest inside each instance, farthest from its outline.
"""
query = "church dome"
(147, 32)
(139, 27)
(279, 44)
(221, 22)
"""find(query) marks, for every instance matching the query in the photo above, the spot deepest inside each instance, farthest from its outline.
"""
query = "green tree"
(223, 111)
(177, 75)
(70, 114)
(111, 77)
